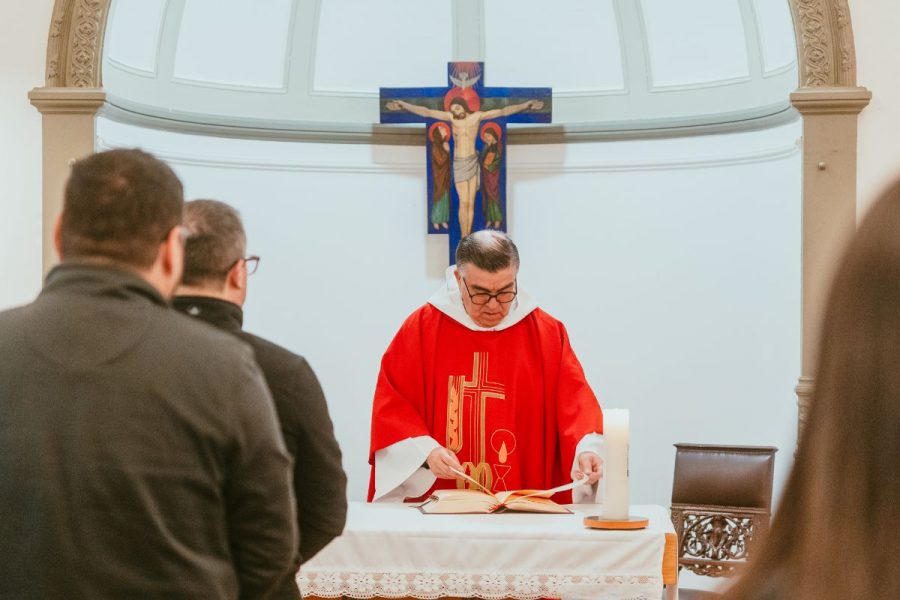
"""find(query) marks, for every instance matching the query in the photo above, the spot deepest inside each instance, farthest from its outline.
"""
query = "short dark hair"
(119, 205)
(217, 240)
(488, 250)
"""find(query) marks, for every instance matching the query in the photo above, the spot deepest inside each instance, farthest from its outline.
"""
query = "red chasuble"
(512, 404)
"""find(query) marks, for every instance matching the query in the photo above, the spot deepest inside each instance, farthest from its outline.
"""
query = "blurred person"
(834, 535)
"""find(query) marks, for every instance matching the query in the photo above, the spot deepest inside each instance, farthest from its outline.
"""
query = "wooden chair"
(721, 506)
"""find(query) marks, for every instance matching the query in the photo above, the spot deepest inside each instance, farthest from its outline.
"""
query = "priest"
(481, 381)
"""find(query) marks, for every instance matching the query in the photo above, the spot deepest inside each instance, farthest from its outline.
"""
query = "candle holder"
(629, 522)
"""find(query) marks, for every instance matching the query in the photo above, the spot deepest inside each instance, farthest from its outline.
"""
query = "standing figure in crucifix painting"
(439, 138)
(464, 122)
(481, 381)
(491, 156)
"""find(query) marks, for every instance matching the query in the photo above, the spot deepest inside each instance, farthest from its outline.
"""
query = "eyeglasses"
(483, 297)
(251, 262)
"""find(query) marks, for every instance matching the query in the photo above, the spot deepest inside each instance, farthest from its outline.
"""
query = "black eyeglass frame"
(496, 296)
(252, 263)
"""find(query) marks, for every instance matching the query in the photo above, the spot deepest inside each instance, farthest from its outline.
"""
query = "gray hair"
(487, 249)
(217, 240)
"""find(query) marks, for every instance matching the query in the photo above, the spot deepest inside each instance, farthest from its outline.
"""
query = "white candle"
(615, 467)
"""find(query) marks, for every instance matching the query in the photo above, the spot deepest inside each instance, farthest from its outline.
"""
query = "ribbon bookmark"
(561, 488)
(469, 479)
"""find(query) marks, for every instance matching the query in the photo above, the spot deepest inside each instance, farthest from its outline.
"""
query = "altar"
(395, 551)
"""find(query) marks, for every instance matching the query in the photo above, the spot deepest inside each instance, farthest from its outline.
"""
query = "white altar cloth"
(395, 551)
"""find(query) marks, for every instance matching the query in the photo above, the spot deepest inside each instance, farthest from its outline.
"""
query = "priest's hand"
(590, 465)
(440, 461)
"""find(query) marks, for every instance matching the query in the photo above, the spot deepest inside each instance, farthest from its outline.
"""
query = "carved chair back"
(721, 505)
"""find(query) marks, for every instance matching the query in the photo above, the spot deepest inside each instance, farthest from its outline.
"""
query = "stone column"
(68, 134)
(829, 208)
(69, 101)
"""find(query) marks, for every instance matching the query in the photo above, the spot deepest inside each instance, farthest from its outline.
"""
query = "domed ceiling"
(316, 65)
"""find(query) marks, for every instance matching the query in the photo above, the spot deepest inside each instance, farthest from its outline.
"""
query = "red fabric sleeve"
(578, 412)
(398, 408)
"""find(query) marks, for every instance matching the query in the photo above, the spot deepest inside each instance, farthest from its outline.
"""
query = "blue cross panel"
(465, 130)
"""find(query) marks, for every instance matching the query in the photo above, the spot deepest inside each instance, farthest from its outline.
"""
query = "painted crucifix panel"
(465, 144)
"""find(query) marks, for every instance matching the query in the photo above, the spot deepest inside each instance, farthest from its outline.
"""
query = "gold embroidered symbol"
(502, 472)
(480, 473)
(503, 442)
(466, 402)
(454, 441)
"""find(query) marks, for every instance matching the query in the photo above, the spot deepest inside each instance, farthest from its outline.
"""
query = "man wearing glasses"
(213, 289)
(481, 382)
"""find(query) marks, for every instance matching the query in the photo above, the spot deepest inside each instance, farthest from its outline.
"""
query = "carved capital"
(824, 43)
(75, 43)
(844, 100)
(81, 101)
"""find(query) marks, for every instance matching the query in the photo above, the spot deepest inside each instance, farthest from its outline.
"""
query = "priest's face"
(474, 281)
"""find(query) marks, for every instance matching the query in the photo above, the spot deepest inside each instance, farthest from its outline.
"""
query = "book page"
(459, 501)
(502, 496)
(534, 504)
(474, 501)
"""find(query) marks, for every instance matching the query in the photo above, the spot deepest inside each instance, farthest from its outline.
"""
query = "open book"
(476, 501)
(484, 501)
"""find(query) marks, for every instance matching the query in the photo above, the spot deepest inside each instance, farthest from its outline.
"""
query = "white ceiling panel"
(533, 43)
(133, 33)
(694, 42)
(363, 45)
(233, 43)
(776, 32)
(614, 65)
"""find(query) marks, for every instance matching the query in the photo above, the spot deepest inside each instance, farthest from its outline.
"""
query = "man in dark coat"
(139, 450)
(213, 290)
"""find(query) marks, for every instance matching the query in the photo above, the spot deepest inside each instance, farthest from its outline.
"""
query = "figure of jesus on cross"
(464, 123)
(477, 117)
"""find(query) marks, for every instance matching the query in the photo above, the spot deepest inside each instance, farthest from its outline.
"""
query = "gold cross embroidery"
(467, 427)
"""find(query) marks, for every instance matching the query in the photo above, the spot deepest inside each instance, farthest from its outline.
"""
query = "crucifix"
(465, 144)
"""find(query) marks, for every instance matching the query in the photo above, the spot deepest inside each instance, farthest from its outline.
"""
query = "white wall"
(23, 47)
(689, 301)
(675, 265)
(875, 26)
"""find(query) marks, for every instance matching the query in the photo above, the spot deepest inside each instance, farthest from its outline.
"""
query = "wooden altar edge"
(670, 560)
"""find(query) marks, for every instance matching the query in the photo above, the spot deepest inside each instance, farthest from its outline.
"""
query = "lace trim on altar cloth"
(429, 586)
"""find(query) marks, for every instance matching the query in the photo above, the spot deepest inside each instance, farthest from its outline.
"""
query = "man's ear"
(57, 236)
(165, 272)
(172, 253)
(237, 277)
